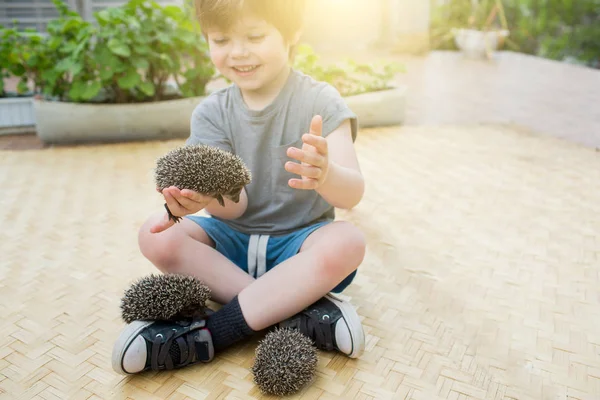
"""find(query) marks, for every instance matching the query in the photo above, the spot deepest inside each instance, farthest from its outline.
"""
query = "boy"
(275, 256)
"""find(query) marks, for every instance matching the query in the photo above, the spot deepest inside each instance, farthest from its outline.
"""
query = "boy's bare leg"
(327, 256)
(186, 249)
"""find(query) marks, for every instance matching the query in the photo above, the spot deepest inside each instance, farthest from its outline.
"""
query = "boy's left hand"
(313, 156)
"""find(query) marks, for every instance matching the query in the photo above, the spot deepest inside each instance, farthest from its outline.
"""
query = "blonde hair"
(285, 15)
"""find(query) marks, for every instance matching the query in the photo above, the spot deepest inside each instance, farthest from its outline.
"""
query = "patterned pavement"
(480, 280)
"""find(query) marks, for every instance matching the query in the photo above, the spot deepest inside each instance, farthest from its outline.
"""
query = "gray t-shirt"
(261, 139)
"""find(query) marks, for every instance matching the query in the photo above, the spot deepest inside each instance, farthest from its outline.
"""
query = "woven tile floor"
(481, 279)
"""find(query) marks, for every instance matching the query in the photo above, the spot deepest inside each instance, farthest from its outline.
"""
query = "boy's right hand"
(181, 203)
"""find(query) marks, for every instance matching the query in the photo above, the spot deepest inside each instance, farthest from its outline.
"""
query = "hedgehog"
(164, 297)
(285, 362)
(205, 169)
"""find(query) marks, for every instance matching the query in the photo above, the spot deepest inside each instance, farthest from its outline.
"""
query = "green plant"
(134, 50)
(464, 14)
(7, 44)
(63, 61)
(350, 77)
(555, 29)
(129, 55)
(19, 57)
(141, 45)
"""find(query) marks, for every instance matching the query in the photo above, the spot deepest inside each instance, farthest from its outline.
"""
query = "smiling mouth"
(246, 69)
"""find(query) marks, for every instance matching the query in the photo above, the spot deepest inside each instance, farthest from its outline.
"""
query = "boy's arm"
(328, 165)
(333, 130)
(344, 185)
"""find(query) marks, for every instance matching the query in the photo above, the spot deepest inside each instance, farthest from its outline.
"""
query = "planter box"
(60, 122)
(382, 108)
(16, 115)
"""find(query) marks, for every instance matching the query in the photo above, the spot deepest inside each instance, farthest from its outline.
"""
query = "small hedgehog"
(285, 361)
(163, 297)
(205, 169)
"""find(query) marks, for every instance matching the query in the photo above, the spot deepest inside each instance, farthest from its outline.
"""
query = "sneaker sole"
(123, 342)
(357, 334)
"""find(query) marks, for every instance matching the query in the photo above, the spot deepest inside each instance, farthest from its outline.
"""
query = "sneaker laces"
(172, 352)
(320, 333)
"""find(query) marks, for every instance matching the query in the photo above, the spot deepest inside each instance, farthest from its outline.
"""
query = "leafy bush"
(349, 78)
(127, 56)
(461, 14)
(556, 29)
(141, 45)
(132, 51)
(7, 39)
(21, 57)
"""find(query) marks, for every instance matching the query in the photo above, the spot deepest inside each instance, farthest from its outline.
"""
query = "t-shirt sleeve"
(207, 126)
(333, 109)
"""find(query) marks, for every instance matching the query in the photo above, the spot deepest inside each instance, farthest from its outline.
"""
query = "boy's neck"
(262, 97)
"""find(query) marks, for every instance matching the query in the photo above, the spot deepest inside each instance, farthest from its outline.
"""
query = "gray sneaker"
(332, 324)
(162, 345)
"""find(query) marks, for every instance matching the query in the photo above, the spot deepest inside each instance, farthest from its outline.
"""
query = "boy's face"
(251, 54)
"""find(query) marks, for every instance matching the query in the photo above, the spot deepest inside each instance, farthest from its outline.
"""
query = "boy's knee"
(159, 248)
(353, 243)
(347, 250)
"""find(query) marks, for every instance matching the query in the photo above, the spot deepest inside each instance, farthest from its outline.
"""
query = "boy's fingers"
(195, 196)
(318, 143)
(303, 184)
(309, 147)
(174, 206)
(308, 157)
(316, 125)
(190, 194)
(163, 225)
(187, 203)
(303, 170)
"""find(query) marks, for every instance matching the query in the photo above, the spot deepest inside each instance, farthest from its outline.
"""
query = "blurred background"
(530, 62)
(566, 30)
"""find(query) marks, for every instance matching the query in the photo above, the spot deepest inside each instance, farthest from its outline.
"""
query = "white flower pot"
(478, 44)
(62, 122)
(381, 108)
(16, 115)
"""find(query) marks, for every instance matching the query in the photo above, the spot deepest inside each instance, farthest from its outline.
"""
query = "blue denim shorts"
(257, 254)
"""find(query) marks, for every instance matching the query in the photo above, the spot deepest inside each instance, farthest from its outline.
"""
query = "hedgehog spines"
(204, 169)
(163, 297)
(285, 362)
